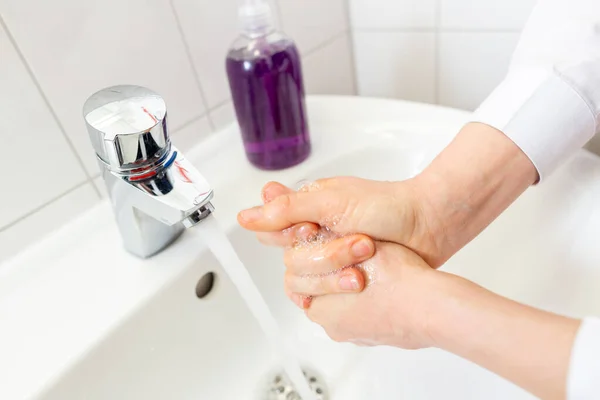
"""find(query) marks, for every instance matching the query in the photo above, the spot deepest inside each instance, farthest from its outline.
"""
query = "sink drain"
(280, 387)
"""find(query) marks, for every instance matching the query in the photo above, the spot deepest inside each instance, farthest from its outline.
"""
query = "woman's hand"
(434, 214)
(394, 308)
(385, 211)
(409, 305)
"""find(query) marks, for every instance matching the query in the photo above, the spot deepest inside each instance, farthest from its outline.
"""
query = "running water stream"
(221, 247)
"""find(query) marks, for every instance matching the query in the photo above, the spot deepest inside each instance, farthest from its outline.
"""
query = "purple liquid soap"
(268, 95)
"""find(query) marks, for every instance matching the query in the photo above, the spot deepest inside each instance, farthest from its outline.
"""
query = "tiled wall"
(55, 54)
(450, 52)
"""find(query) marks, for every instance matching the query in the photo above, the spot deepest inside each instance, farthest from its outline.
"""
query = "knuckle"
(336, 253)
(309, 285)
(320, 285)
(333, 250)
(283, 202)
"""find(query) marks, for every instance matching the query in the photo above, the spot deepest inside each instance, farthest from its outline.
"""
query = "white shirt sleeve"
(549, 102)
(549, 105)
(584, 371)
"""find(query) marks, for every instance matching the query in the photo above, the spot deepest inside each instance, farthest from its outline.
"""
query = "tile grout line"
(325, 43)
(46, 204)
(46, 101)
(200, 116)
(221, 104)
(191, 121)
(437, 53)
(350, 31)
(188, 53)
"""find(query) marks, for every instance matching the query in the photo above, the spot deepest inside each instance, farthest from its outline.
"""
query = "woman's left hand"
(394, 308)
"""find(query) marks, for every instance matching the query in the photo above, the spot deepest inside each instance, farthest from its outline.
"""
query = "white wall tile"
(39, 164)
(210, 27)
(330, 69)
(190, 135)
(223, 115)
(472, 65)
(313, 22)
(76, 47)
(397, 65)
(45, 220)
(389, 14)
(485, 14)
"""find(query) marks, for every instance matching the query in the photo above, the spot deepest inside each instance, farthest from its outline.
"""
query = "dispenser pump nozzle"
(255, 16)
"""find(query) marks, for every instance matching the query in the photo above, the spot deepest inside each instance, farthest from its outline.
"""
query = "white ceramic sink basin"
(82, 319)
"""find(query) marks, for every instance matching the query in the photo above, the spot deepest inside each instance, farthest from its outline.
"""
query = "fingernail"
(266, 198)
(306, 301)
(349, 283)
(362, 248)
(267, 192)
(252, 214)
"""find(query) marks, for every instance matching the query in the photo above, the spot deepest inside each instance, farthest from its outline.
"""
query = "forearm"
(468, 185)
(529, 347)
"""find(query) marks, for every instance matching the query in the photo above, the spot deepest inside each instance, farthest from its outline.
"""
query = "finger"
(301, 301)
(290, 209)
(289, 237)
(346, 280)
(337, 254)
(273, 190)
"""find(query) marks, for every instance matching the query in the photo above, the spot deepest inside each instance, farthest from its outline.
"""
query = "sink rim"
(46, 270)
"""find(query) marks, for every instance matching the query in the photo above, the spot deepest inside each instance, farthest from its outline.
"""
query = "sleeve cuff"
(584, 371)
(542, 114)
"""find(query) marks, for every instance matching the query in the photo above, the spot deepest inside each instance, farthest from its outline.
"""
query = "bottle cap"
(255, 16)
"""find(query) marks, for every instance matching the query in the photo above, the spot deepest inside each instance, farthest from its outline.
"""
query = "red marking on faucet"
(184, 173)
(150, 115)
(143, 176)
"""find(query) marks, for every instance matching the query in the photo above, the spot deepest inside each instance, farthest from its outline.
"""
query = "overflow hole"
(205, 285)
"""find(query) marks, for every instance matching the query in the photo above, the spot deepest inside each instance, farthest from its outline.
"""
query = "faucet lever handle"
(127, 126)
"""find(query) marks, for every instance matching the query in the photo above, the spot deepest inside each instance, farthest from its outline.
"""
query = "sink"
(81, 322)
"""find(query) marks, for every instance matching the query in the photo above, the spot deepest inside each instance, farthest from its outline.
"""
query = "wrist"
(429, 237)
(449, 314)
(530, 347)
(466, 187)
(421, 229)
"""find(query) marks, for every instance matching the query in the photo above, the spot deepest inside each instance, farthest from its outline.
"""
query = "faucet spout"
(155, 192)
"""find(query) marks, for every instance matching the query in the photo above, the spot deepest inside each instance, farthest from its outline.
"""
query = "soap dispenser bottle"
(267, 88)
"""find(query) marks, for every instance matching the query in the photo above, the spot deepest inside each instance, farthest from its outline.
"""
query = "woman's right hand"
(434, 214)
(386, 211)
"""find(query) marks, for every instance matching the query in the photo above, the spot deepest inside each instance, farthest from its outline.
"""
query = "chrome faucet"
(155, 192)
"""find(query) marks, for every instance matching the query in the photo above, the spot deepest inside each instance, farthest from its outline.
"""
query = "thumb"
(272, 190)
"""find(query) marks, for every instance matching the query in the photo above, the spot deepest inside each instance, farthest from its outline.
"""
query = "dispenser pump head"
(255, 16)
